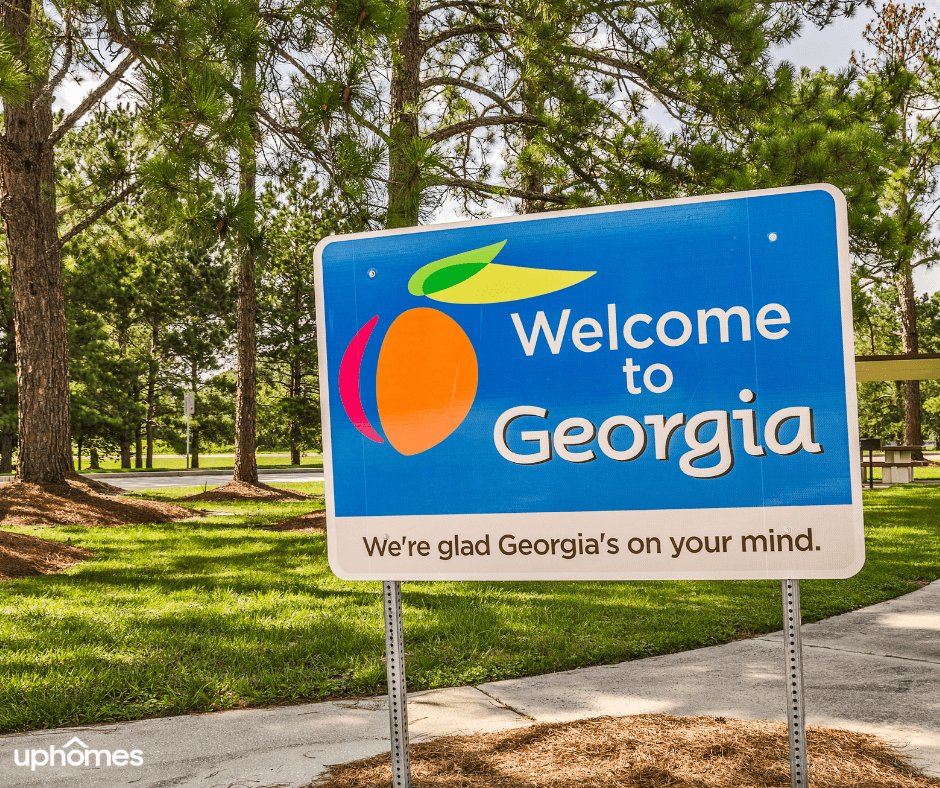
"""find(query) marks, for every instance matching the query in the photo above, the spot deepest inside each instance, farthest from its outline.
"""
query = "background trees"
(906, 43)
(358, 114)
(41, 47)
(402, 105)
(297, 216)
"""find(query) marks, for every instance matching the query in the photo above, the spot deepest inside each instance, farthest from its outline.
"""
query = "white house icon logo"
(77, 753)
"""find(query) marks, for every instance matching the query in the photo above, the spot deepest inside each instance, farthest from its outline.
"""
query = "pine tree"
(907, 46)
(38, 49)
(199, 332)
(107, 347)
(41, 45)
(246, 466)
(297, 217)
(404, 104)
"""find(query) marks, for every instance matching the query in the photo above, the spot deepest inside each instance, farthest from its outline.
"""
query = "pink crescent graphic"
(349, 370)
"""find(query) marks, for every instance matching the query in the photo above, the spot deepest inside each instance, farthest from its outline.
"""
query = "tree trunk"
(6, 437)
(6, 452)
(93, 464)
(296, 382)
(27, 186)
(151, 390)
(293, 429)
(138, 449)
(124, 439)
(78, 445)
(149, 433)
(533, 181)
(246, 466)
(910, 344)
(194, 447)
(404, 181)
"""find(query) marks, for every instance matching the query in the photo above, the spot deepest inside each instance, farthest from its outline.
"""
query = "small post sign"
(649, 391)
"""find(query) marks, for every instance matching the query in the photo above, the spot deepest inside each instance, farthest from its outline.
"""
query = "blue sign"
(644, 369)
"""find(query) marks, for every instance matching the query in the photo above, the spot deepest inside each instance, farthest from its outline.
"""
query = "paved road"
(876, 670)
(210, 479)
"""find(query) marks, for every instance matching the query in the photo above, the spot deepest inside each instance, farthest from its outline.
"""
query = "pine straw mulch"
(81, 502)
(645, 751)
(22, 555)
(312, 522)
(242, 491)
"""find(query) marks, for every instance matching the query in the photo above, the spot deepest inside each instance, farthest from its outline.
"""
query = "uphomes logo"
(77, 753)
(427, 372)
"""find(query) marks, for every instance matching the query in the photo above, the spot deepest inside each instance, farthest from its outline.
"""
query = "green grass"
(923, 472)
(196, 616)
(206, 462)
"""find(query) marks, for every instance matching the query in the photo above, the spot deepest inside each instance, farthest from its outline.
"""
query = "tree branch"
(49, 90)
(467, 85)
(466, 30)
(90, 101)
(637, 71)
(469, 125)
(100, 211)
(461, 4)
(503, 191)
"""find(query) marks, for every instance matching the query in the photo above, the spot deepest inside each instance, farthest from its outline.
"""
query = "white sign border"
(394, 523)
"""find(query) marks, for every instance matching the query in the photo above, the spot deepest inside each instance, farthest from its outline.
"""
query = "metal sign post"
(790, 593)
(397, 691)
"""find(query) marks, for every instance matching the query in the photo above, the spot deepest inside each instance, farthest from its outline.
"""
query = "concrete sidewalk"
(875, 670)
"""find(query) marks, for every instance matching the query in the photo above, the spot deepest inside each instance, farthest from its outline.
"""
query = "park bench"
(897, 466)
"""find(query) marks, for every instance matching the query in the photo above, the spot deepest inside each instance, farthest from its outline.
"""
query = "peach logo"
(427, 373)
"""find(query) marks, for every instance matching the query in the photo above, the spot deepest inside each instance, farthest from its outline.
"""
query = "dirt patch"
(242, 491)
(22, 555)
(79, 503)
(313, 522)
(645, 751)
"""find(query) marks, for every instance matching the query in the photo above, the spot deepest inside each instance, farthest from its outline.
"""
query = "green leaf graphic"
(466, 264)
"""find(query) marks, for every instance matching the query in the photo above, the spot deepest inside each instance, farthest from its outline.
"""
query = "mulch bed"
(313, 522)
(242, 491)
(80, 502)
(22, 555)
(645, 751)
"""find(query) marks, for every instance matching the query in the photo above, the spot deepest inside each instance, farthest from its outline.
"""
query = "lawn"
(205, 615)
(206, 462)
(925, 472)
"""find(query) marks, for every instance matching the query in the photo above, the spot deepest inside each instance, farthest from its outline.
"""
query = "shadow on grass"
(166, 619)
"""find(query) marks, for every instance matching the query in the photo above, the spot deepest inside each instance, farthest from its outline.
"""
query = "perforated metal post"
(397, 693)
(790, 591)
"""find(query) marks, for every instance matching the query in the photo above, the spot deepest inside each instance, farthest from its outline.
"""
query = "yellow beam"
(897, 368)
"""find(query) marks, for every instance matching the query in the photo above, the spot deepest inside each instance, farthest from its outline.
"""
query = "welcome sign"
(650, 391)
